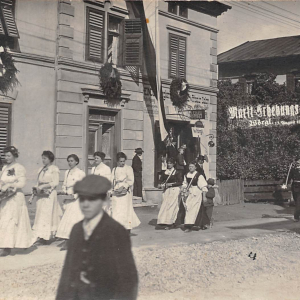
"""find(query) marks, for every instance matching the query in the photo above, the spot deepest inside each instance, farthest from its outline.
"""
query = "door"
(102, 136)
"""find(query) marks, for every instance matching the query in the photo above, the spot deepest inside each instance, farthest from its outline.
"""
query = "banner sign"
(264, 115)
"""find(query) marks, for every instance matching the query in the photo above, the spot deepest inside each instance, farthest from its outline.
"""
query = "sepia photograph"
(149, 150)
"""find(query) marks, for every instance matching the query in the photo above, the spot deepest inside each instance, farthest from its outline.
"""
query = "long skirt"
(192, 205)
(72, 215)
(47, 217)
(169, 207)
(15, 229)
(122, 211)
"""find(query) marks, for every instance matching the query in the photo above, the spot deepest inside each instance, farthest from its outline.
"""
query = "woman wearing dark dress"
(170, 182)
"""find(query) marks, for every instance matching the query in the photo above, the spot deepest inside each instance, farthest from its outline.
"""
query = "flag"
(148, 12)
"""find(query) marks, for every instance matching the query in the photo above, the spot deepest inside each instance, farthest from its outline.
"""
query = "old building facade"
(59, 105)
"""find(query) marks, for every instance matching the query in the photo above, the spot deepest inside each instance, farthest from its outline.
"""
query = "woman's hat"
(138, 151)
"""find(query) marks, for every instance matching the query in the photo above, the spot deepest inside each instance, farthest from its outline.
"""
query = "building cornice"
(34, 59)
(178, 29)
(187, 21)
(119, 10)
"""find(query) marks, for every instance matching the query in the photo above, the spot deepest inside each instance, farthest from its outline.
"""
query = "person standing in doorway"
(180, 162)
(101, 168)
(137, 167)
(99, 263)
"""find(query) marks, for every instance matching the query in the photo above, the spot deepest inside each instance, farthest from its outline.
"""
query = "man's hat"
(138, 150)
(92, 186)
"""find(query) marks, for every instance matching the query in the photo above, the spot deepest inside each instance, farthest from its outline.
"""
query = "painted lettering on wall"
(264, 115)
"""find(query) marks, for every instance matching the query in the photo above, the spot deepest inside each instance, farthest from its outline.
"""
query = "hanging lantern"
(211, 144)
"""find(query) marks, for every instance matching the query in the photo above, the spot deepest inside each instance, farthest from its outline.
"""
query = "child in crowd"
(208, 203)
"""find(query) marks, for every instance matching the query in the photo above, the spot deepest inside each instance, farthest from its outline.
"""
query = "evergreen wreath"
(110, 81)
(8, 80)
(179, 92)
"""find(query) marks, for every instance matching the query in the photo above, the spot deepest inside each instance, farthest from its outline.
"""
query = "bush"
(255, 153)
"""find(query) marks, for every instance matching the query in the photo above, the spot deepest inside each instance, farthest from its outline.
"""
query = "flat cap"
(92, 186)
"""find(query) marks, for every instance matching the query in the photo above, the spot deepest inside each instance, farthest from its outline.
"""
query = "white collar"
(169, 171)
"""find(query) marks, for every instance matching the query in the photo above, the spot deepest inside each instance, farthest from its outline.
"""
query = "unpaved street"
(217, 270)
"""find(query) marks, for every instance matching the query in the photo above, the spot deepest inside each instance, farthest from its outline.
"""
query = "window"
(8, 27)
(95, 34)
(172, 8)
(114, 50)
(178, 9)
(124, 39)
(177, 56)
(183, 11)
(5, 127)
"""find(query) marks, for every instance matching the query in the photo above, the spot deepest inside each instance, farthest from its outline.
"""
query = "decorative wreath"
(179, 92)
(8, 78)
(110, 81)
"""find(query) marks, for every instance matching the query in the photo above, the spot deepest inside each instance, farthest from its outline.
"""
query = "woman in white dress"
(194, 185)
(101, 168)
(122, 206)
(15, 228)
(72, 214)
(170, 182)
(48, 211)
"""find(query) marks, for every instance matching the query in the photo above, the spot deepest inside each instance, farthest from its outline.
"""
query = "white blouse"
(122, 176)
(201, 183)
(49, 175)
(102, 170)
(14, 175)
(71, 177)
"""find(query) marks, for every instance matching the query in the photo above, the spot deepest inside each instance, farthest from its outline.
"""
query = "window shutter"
(9, 19)
(133, 43)
(5, 120)
(177, 56)
(182, 57)
(173, 56)
(95, 35)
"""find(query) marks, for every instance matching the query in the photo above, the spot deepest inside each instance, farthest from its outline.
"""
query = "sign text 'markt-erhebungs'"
(261, 111)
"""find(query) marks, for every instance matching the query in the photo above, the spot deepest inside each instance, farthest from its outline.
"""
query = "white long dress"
(48, 211)
(194, 199)
(15, 228)
(122, 207)
(72, 214)
(170, 205)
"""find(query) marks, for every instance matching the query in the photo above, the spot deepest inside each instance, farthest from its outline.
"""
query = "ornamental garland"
(179, 92)
(8, 76)
(110, 81)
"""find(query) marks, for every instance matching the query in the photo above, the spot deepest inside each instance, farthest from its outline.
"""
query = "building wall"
(34, 99)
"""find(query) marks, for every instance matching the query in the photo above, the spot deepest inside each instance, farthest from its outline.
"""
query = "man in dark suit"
(99, 263)
(180, 162)
(137, 171)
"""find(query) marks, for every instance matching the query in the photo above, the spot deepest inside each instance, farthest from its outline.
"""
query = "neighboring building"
(59, 105)
(279, 56)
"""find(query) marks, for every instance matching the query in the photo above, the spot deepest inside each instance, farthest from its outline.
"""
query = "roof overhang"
(212, 8)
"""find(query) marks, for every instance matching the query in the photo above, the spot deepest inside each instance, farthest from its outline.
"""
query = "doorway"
(103, 135)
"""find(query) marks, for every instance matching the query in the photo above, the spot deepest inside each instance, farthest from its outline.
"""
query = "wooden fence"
(256, 190)
(231, 191)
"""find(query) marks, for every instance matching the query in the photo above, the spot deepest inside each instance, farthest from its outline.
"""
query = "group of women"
(183, 199)
(50, 221)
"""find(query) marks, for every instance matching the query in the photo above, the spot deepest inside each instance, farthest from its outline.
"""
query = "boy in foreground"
(99, 263)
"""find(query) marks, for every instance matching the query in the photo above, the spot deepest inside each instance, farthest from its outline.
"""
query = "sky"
(257, 20)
